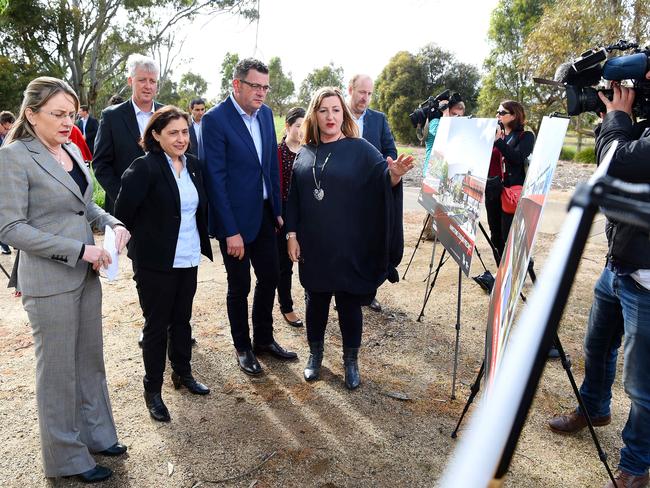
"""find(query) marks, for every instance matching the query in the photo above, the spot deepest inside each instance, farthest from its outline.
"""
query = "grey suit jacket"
(43, 213)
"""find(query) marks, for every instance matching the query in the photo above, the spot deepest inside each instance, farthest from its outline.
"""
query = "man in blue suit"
(373, 126)
(197, 110)
(243, 187)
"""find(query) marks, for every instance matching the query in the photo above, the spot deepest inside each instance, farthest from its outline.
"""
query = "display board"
(514, 263)
(453, 182)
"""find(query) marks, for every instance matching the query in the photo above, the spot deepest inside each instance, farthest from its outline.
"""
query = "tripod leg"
(473, 392)
(424, 227)
(453, 382)
(567, 367)
(427, 292)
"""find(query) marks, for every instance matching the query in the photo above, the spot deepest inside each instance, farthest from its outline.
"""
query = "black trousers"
(286, 271)
(494, 212)
(166, 299)
(348, 307)
(262, 253)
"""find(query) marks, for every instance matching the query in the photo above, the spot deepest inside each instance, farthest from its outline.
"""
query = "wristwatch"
(290, 235)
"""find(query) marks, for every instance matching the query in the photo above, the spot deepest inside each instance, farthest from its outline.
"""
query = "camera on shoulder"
(433, 107)
(581, 76)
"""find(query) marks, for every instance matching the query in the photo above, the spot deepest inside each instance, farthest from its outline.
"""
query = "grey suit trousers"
(74, 411)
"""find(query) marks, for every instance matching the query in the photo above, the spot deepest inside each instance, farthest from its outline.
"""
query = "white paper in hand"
(109, 246)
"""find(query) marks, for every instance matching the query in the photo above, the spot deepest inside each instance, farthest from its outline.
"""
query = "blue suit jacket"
(377, 133)
(233, 173)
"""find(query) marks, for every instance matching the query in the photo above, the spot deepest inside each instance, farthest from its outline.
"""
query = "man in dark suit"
(243, 187)
(197, 110)
(88, 126)
(373, 126)
(121, 126)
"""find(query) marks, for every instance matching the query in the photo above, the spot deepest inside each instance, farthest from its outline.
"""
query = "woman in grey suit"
(46, 211)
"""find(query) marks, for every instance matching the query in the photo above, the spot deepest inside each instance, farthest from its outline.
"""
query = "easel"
(429, 288)
(566, 364)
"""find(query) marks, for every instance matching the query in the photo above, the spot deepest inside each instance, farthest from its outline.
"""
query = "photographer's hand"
(622, 99)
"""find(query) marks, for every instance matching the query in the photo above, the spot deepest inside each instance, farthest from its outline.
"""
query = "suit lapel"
(169, 176)
(128, 114)
(240, 127)
(46, 161)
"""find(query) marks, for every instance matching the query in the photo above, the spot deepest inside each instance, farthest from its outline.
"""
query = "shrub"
(587, 155)
(567, 153)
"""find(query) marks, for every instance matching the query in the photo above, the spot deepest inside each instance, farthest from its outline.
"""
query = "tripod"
(429, 290)
(417, 244)
(566, 364)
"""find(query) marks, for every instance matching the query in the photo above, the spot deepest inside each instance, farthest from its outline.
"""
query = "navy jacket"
(234, 174)
(377, 133)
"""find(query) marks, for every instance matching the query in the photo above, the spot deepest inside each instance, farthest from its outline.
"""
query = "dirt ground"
(280, 431)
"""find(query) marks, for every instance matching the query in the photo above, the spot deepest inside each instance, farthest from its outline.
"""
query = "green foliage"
(442, 70)
(510, 24)
(13, 79)
(400, 88)
(587, 155)
(567, 153)
(328, 75)
(409, 79)
(282, 87)
(228, 64)
(99, 195)
(88, 42)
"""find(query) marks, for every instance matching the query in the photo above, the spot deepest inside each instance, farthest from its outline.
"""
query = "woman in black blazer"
(163, 204)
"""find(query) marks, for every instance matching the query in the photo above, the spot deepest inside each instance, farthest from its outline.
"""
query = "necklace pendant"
(319, 193)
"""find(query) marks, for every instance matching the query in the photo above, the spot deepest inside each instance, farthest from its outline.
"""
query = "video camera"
(433, 107)
(578, 76)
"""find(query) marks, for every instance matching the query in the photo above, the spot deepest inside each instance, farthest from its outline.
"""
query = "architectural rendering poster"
(516, 255)
(454, 182)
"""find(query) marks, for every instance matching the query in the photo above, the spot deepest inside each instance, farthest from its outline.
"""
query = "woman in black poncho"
(344, 223)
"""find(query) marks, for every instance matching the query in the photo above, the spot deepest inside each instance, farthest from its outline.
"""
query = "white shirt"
(253, 125)
(142, 117)
(359, 122)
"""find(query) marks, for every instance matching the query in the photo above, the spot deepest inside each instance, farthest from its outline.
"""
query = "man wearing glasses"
(243, 187)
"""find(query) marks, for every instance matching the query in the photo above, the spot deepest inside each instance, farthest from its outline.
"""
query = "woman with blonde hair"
(344, 223)
(46, 211)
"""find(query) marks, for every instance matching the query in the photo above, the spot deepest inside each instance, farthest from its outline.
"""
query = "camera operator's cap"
(632, 67)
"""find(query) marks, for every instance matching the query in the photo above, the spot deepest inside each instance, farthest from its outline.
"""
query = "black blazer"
(91, 131)
(116, 147)
(150, 206)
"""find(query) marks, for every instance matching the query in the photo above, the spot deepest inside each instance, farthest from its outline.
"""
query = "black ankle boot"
(352, 378)
(312, 370)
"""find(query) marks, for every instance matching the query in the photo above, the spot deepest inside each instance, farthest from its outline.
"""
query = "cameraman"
(621, 306)
(455, 108)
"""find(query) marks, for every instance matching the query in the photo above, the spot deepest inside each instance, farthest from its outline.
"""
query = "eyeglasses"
(62, 115)
(256, 86)
(502, 112)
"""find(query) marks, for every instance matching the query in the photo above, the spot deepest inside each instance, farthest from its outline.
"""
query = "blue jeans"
(621, 308)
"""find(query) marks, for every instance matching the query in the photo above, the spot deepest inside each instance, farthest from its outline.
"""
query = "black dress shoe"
(116, 449)
(95, 475)
(275, 350)
(292, 323)
(190, 383)
(375, 305)
(248, 362)
(157, 408)
(140, 339)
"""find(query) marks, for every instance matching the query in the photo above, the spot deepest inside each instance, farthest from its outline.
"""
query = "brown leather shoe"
(575, 422)
(627, 480)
